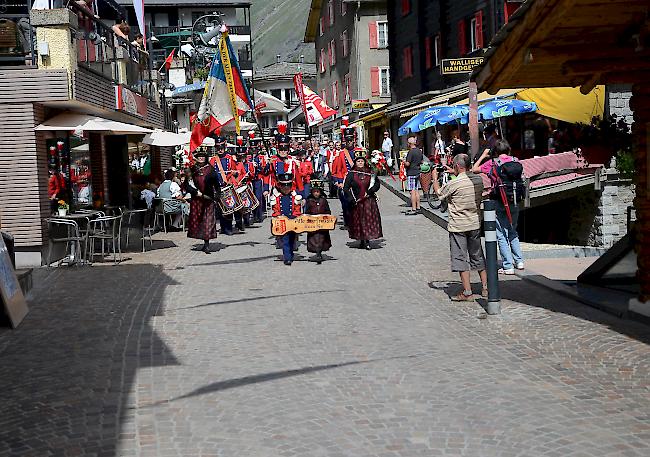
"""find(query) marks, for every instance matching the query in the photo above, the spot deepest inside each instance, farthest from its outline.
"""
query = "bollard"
(490, 228)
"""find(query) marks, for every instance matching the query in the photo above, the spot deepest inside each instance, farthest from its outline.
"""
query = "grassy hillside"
(279, 28)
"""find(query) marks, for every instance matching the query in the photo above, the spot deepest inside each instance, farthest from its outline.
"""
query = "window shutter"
(406, 7)
(509, 9)
(374, 81)
(372, 32)
(479, 29)
(462, 38)
(427, 52)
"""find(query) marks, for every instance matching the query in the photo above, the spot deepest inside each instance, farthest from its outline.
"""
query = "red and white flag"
(314, 108)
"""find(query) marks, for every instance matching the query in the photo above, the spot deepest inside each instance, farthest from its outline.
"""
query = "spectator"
(56, 188)
(387, 148)
(438, 149)
(507, 236)
(412, 164)
(463, 196)
(174, 201)
(122, 29)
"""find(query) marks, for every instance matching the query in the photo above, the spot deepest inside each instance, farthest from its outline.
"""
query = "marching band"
(241, 187)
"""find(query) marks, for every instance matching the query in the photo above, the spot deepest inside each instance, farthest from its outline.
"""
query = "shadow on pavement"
(68, 369)
(266, 297)
(233, 261)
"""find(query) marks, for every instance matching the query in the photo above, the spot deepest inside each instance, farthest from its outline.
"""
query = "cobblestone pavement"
(178, 353)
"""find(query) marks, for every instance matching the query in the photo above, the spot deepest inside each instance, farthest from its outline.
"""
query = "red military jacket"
(286, 205)
(342, 164)
(290, 165)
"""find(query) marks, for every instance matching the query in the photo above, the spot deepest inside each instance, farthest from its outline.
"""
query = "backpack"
(508, 176)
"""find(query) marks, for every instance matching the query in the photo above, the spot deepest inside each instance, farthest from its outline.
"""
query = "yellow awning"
(561, 103)
(373, 116)
(567, 103)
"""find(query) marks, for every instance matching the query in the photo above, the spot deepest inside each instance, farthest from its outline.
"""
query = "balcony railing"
(232, 29)
(17, 36)
(99, 49)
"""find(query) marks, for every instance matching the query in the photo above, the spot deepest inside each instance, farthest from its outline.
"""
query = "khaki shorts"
(464, 246)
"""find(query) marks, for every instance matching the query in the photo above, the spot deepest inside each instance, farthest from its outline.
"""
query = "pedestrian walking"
(315, 204)
(387, 149)
(463, 196)
(360, 188)
(508, 190)
(412, 164)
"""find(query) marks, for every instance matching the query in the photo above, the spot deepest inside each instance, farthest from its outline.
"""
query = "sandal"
(462, 297)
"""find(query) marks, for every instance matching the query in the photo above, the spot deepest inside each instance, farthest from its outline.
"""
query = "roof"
(550, 43)
(192, 4)
(312, 21)
(285, 70)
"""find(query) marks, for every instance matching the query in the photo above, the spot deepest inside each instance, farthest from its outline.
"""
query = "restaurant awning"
(85, 122)
(562, 103)
(162, 138)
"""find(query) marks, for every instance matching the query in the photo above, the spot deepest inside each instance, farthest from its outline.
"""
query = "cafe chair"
(105, 229)
(72, 239)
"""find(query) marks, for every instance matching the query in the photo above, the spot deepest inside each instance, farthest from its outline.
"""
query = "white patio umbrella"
(269, 103)
(163, 138)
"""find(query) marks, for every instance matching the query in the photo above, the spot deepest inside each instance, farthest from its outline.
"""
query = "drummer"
(260, 180)
(245, 175)
(226, 168)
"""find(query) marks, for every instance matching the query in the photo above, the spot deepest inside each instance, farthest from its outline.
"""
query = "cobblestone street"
(178, 353)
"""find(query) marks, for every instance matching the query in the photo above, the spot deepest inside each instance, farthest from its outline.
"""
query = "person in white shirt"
(174, 201)
(387, 148)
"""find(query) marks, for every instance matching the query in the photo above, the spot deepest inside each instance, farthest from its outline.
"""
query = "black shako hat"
(285, 178)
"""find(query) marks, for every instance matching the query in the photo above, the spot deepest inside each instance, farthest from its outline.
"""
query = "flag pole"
(259, 128)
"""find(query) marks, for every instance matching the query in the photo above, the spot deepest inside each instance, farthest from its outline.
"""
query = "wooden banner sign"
(14, 302)
(305, 223)
(462, 65)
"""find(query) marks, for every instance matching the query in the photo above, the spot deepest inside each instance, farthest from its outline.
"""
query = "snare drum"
(229, 201)
(247, 197)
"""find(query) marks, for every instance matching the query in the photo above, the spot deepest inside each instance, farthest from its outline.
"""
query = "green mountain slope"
(278, 27)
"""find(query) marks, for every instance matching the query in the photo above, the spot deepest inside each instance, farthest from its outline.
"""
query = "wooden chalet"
(551, 43)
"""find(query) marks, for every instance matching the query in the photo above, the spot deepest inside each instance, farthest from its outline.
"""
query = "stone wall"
(618, 102)
(610, 223)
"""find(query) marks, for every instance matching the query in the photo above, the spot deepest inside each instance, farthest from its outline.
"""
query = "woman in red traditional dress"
(205, 190)
(360, 187)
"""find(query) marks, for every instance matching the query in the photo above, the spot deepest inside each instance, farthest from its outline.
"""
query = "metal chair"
(138, 219)
(72, 240)
(107, 228)
(162, 210)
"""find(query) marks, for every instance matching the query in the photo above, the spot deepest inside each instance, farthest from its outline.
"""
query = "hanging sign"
(462, 65)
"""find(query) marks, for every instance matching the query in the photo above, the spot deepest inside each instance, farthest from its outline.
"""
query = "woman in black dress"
(205, 192)
(360, 187)
(315, 204)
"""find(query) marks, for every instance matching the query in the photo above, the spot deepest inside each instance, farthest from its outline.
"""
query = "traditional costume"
(260, 180)
(205, 191)
(286, 202)
(245, 175)
(320, 241)
(306, 170)
(282, 163)
(360, 188)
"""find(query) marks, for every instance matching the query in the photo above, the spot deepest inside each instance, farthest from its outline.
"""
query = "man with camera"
(464, 195)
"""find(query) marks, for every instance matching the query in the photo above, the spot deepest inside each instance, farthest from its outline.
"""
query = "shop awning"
(162, 138)
(442, 99)
(85, 122)
(562, 103)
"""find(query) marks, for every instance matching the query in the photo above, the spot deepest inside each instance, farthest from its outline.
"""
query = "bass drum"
(248, 199)
(229, 201)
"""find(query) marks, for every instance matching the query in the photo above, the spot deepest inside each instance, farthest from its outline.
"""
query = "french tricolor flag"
(226, 96)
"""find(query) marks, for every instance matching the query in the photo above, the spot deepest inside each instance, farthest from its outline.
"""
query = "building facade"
(277, 80)
(74, 102)
(351, 44)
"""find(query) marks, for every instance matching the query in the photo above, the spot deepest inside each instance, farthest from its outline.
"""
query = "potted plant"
(63, 207)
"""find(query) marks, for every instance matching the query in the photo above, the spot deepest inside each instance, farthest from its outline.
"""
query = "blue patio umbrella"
(501, 108)
(434, 116)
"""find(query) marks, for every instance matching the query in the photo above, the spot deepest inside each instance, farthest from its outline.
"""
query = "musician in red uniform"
(360, 187)
(260, 179)
(245, 175)
(340, 168)
(286, 202)
(226, 168)
(282, 163)
(306, 170)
